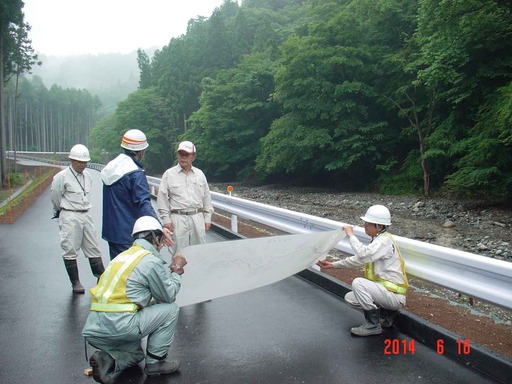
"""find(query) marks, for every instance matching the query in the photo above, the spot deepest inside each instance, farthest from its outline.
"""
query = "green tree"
(485, 159)
(144, 110)
(49, 120)
(330, 84)
(105, 140)
(456, 41)
(236, 112)
(11, 30)
(146, 79)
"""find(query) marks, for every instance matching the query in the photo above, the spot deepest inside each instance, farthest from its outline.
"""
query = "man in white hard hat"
(184, 200)
(70, 192)
(126, 195)
(381, 293)
(135, 298)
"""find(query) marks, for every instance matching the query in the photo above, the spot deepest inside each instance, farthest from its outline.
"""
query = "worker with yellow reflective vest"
(134, 298)
(381, 293)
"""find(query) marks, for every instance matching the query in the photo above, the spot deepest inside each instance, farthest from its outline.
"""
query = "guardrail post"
(234, 223)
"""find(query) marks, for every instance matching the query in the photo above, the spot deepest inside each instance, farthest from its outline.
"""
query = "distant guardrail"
(471, 274)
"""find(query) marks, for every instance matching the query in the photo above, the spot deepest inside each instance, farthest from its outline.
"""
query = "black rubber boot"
(103, 367)
(97, 267)
(372, 325)
(387, 317)
(72, 269)
(163, 367)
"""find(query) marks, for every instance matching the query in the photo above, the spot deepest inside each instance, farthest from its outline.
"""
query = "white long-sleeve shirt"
(381, 251)
(184, 191)
(70, 190)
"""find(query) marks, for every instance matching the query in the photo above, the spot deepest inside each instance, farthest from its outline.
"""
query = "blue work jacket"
(126, 197)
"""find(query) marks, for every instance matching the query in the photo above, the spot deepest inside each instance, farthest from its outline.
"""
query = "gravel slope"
(456, 224)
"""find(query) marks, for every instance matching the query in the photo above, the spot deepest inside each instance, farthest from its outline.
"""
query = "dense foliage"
(48, 120)
(112, 77)
(16, 58)
(396, 96)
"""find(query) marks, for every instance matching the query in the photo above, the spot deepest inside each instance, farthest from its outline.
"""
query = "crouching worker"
(381, 293)
(134, 298)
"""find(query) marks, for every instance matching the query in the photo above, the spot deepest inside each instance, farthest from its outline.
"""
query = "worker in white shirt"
(184, 202)
(381, 293)
(70, 192)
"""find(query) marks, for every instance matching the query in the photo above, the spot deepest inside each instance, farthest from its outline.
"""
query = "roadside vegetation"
(22, 189)
(395, 97)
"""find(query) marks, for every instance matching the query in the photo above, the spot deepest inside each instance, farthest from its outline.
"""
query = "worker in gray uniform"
(382, 291)
(134, 299)
(70, 193)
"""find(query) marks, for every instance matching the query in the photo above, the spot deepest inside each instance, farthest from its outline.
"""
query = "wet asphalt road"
(288, 332)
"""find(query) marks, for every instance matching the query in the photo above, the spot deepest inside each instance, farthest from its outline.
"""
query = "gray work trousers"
(120, 334)
(368, 295)
(77, 232)
(188, 230)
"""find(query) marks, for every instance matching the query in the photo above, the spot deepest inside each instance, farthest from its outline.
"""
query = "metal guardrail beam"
(474, 275)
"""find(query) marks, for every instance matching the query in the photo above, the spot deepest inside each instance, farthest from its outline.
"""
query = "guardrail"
(471, 274)
(26, 155)
(474, 275)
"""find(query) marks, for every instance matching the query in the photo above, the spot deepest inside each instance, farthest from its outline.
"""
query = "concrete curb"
(480, 358)
(20, 190)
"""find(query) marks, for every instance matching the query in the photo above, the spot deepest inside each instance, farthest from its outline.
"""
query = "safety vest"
(110, 293)
(390, 286)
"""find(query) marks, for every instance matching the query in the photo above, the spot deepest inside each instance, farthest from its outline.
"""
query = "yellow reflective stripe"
(107, 284)
(368, 271)
(105, 291)
(402, 262)
(390, 286)
(393, 287)
(98, 307)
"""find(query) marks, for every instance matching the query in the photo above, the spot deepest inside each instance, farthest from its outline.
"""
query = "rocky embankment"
(463, 225)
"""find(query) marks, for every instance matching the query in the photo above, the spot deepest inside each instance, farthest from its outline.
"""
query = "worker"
(135, 298)
(70, 193)
(184, 201)
(382, 291)
(126, 195)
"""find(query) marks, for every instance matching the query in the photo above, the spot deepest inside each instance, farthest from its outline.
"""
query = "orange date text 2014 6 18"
(404, 347)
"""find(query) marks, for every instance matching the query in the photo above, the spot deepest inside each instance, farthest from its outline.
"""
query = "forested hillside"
(63, 98)
(109, 76)
(394, 96)
(400, 96)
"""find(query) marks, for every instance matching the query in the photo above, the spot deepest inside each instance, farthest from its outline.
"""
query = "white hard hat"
(79, 152)
(134, 140)
(146, 224)
(377, 214)
(187, 146)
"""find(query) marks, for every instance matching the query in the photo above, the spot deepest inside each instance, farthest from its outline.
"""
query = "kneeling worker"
(381, 293)
(134, 298)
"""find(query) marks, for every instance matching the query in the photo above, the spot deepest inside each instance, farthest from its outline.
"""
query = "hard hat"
(79, 152)
(187, 146)
(146, 224)
(134, 140)
(377, 214)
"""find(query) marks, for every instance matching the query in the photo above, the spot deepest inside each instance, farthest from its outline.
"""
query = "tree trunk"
(424, 168)
(3, 147)
(14, 120)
